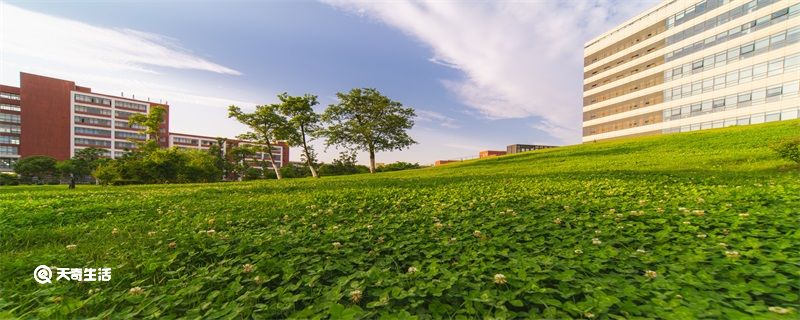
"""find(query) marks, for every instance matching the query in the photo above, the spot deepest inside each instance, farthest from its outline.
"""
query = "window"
(792, 61)
(745, 98)
(129, 135)
(93, 142)
(775, 67)
(10, 96)
(790, 88)
(743, 121)
(759, 70)
(9, 128)
(7, 163)
(677, 72)
(761, 44)
(9, 140)
(789, 114)
(780, 13)
(9, 150)
(9, 107)
(13, 118)
(122, 114)
(757, 118)
(772, 117)
(697, 65)
(697, 108)
(774, 91)
(92, 121)
(719, 103)
(92, 110)
(747, 48)
(124, 145)
(130, 105)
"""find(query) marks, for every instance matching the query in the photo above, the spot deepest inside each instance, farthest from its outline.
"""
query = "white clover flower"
(211, 221)
(723, 244)
(732, 254)
(381, 239)
(172, 245)
(412, 270)
(258, 280)
(596, 241)
(744, 215)
(500, 278)
(589, 315)
(151, 233)
(369, 227)
(650, 274)
(438, 225)
(71, 247)
(355, 296)
(211, 232)
(337, 245)
(687, 222)
(699, 213)
(641, 250)
(453, 239)
(597, 232)
(114, 232)
(247, 268)
(476, 233)
(557, 221)
(136, 291)
(578, 251)
(314, 225)
(780, 310)
(701, 235)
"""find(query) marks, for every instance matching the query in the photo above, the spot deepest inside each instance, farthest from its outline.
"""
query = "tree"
(239, 155)
(38, 167)
(303, 122)
(152, 126)
(218, 151)
(266, 125)
(81, 165)
(344, 165)
(365, 120)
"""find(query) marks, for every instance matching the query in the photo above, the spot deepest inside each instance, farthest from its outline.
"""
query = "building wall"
(517, 148)
(45, 116)
(491, 153)
(189, 141)
(692, 65)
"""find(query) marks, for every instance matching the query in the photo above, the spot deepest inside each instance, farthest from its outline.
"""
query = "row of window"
(9, 139)
(9, 128)
(9, 107)
(12, 118)
(719, 20)
(735, 32)
(735, 77)
(765, 44)
(93, 131)
(10, 96)
(92, 110)
(9, 150)
(7, 163)
(124, 145)
(693, 12)
(93, 121)
(734, 101)
(91, 99)
(129, 135)
(785, 114)
(185, 140)
(130, 105)
(93, 142)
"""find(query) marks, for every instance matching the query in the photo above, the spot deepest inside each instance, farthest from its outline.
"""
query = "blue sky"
(481, 75)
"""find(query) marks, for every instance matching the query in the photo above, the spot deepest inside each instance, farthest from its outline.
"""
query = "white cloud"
(438, 118)
(519, 59)
(36, 35)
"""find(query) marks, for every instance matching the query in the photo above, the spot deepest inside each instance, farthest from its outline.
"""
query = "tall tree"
(220, 153)
(39, 167)
(152, 126)
(303, 122)
(266, 125)
(366, 120)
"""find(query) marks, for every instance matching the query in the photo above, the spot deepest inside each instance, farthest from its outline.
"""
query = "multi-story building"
(517, 148)
(490, 153)
(688, 65)
(54, 117)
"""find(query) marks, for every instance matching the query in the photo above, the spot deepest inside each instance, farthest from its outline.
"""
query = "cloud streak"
(35, 35)
(519, 59)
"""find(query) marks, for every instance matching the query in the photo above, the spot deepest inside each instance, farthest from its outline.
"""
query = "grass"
(573, 231)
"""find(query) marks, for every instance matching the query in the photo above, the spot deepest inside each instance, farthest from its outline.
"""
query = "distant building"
(517, 148)
(443, 162)
(280, 150)
(491, 153)
(56, 118)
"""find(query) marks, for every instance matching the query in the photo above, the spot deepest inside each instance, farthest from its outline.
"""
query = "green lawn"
(573, 231)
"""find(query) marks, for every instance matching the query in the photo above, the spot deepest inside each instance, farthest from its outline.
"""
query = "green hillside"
(683, 226)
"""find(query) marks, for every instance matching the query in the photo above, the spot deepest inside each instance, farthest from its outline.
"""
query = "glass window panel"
(759, 69)
(777, 38)
(774, 91)
(772, 117)
(732, 77)
(744, 98)
(718, 124)
(789, 114)
(791, 88)
(743, 121)
(730, 100)
(759, 95)
(733, 54)
(747, 49)
(775, 67)
(761, 44)
(792, 61)
(708, 84)
(757, 118)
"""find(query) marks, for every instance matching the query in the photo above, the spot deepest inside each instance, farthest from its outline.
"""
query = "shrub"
(8, 180)
(397, 166)
(789, 150)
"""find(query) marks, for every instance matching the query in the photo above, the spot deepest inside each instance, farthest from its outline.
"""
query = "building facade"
(56, 118)
(280, 150)
(491, 153)
(517, 148)
(688, 65)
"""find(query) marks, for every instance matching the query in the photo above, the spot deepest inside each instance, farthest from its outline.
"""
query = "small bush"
(789, 150)
(125, 182)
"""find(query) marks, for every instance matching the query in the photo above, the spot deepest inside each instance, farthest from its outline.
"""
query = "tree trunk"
(272, 161)
(371, 159)
(308, 155)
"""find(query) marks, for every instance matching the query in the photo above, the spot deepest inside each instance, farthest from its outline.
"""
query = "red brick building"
(491, 153)
(54, 117)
